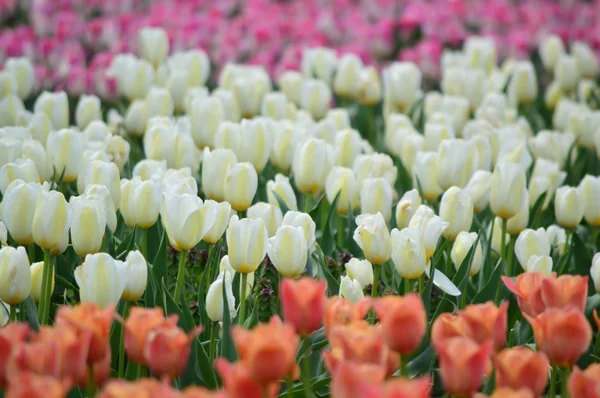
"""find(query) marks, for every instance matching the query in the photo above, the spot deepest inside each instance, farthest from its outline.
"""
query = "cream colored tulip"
(479, 188)
(315, 97)
(288, 251)
(101, 280)
(456, 208)
(360, 270)
(88, 110)
(282, 187)
(270, 214)
(206, 116)
(101, 193)
(37, 270)
(542, 264)
(457, 161)
(23, 71)
(311, 166)
(195, 63)
(402, 84)
(508, 192)
(240, 187)
(223, 214)
(412, 144)
(154, 44)
(140, 202)
(589, 191)
(351, 289)
(566, 72)
(214, 299)
(256, 142)
(348, 145)
(320, 63)
(186, 220)
(531, 242)
(515, 225)
(51, 220)
(569, 206)
(595, 271)
(373, 237)
(586, 59)
(88, 224)
(246, 243)
(369, 87)
(55, 106)
(179, 181)
(376, 195)
(345, 83)
(21, 169)
(136, 118)
(275, 106)
(551, 48)
(408, 253)
(406, 208)
(460, 249)
(136, 276)
(215, 167)
(290, 83)
(286, 136)
(342, 181)
(425, 171)
(431, 227)
(15, 276)
(65, 149)
(299, 219)
(18, 208)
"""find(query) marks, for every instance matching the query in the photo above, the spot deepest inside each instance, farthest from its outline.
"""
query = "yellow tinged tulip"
(15, 276)
(343, 181)
(456, 208)
(569, 206)
(271, 215)
(508, 192)
(101, 280)
(186, 220)
(37, 271)
(373, 237)
(288, 251)
(215, 166)
(88, 225)
(282, 187)
(246, 243)
(136, 276)
(223, 214)
(18, 208)
(460, 249)
(240, 186)
(408, 253)
(51, 220)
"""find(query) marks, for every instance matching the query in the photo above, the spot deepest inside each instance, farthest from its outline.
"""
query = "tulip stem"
(421, 283)
(503, 240)
(553, 381)
(340, 232)
(213, 341)
(595, 231)
(122, 341)
(307, 202)
(180, 274)
(144, 243)
(13, 313)
(509, 256)
(91, 387)
(46, 296)
(243, 300)
(568, 250)
(566, 372)
(306, 375)
(31, 253)
(408, 286)
(376, 270)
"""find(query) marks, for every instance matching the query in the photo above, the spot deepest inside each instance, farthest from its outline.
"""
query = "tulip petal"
(445, 284)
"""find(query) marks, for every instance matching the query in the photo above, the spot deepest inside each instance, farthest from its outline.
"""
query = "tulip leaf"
(583, 259)
(31, 313)
(327, 241)
(536, 212)
(426, 295)
(159, 263)
(333, 286)
(126, 245)
(422, 362)
(352, 246)
(228, 350)
(204, 368)
(404, 180)
(282, 205)
(593, 302)
(489, 289)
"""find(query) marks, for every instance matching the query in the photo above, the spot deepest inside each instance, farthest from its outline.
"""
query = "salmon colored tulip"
(11, 336)
(88, 317)
(521, 367)
(201, 392)
(137, 326)
(353, 379)
(362, 343)
(142, 388)
(268, 351)
(239, 383)
(403, 322)
(167, 350)
(487, 322)
(339, 311)
(404, 388)
(463, 364)
(585, 384)
(38, 357)
(303, 303)
(30, 385)
(505, 392)
(447, 326)
(562, 334)
(528, 289)
(566, 290)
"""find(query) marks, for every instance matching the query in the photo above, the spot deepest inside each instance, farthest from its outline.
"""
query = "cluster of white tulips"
(209, 156)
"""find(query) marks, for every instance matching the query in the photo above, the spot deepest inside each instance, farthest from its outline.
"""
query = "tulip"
(315, 97)
(340, 117)
(342, 181)
(15, 284)
(282, 187)
(136, 118)
(134, 76)
(376, 197)
(288, 251)
(373, 166)
(353, 378)
(140, 202)
(425, 174)
(541, 264)
(40, 126)
(517, 224)
(246, 257)
(319, 62)
(431, 227)
(136, 328)
(508, 191)
(479, 187)
(348, 145)
(299, 219)
(562, 334)
(373, 237)
(369, 87)
(565, 291)
(240, 187)
(229, 136)
(271, 215)
(206, 115)
(223, 214)
(531, 242)
(587, 63)
(167, 349)
(147, 168)
(64, 149)
(37, 280)
(456, 208)
(101, 279)
(51, 220)
(303, 304)
(227, 270)
(457, 160)
(11, 107)
(136, 276)
(311, 166)
(215, 167)
(557, 238)
(408, 253)
(528, 289)
(351, 289)
(569, 206)
(523, 86)
(103, 173)
(55, 106)
(460, 249)
(88, 110)
(436, 133)
(342, 312)
(486, 322)
(412, 145)
(21, 169)
(589, 188)
(345, 83)
(27, 384)
(154, 44)
(447, 326)
(290, 83)
(286, 137)
(462, 365)
(195, 63)
(551, 48)
(406, 208)
(585, 383)
(186, 220)
(18, 208)
(88, 225)
(520, 367)
(214, 299)
(402, 313)
(275, 106)
(402, 82)
(22, 70)
(360, 270)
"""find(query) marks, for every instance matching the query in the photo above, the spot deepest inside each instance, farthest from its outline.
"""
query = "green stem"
(242, 316)
(306, 375)
(408, 286)
(553, 382)
(307, 202)
(510, 255)
(13, 313)
(568, 251)
(597, 347)
(145, 243)
(180, 274)
(91, 387)
(463, 296)
(21, 316)
(122, 342)
(376, 271)
(595, 238)
(289, 386)
(31, 252)
(47, 278)
(207, 267)
(403, 366)
(502, 257)
(213, 341)
(340, 232)
(421, 283)
(448, 269)
(566, 372)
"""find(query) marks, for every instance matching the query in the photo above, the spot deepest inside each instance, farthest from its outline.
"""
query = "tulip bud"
(275, 106)
(373, 237)
(214, 299)
(550, 50)
(246, 243)
(425, 174)
(373, 166)
(402, 83)
(37, 270)
(341, 181)
(206, 115)
(167, 351)
(88, 110)
(320, 63)
(311, 166)
(595, 272)
(142, 203)
(55, 106)
(34, 150)
(195, 63)
(569, 206)
(154, 44)
(587, 63)
(136, 276)
(541, 264)
(136, 118)
(65, 149)
(348, 146)
(282, 187)
(240, 186)
(228, 272)
(51, 220)
(457, 160)
(159, 102)
(456, 208)
(523, 86)
(408, 252)
(376, 196)
(186, 220)
(270, 214)
(21, 169)
(248, 92)
(286, 136)
(566, 72)
(8, 84)
(223, 214)
(479, 188)
(15, 283)
(346, 81)
(431, 227)
(40, 127)
(118, 150)
(435, 134)
(290, 83)
(519, 222)
(229, 136)
(134, 76)
(360, 270)
(369, 87)
(101, 279)
(508, 192)
(299, 219)
(88, 224)
(557, 238)
(303, 304)
(351, 289)
(406, 208)
(24, 74)
(11, 107)
(215, 167)
(531, 242)
(288, 251)
(460, 249)
(412, 144)
(315, 97)
(255, 146)
(589, 190)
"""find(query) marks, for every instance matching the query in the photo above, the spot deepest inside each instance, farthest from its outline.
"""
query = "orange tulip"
(268, 351)
(562, 334)
(487, 322)
(463, 364)
(528, 289)
(508, 393)
(38, 357)
(564, 291)
(142, 388)
(11, 336)
(521, 367)
(137, 326)
(167, 349)
(29, 385)
(201, 392)
(303, 303)
(352, 379)
(339, 311)
(88, 317)
(447, 326)
(239, 383)
(403, 320)
(585, 384)
(404, 388)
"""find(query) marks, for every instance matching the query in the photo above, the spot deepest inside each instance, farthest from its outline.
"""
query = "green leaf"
(282, 205)
(536, 212)
(422, 362)
(31, 313)
(426, 295)
(205, 369)
(159, 263)
(333, 286)
(126, 246)
(489, 290)
(228, 350)
(327, 241)
(353, 247)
